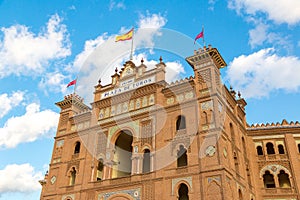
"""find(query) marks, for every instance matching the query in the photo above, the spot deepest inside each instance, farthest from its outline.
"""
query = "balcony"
(278, 191)
(272, 157)
(181, 132)
(75, 156)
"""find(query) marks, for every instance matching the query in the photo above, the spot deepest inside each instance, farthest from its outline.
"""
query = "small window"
(259, 150)
(180, 123)
(73, 176)
(146, 161)
(280, 149)
(299, 148)
(77, 148)
(270, 148)
(181, 157)
(240, 195)
(232, 132)
(268, 180)
(244, 145)
(183, 192)
(100, 170)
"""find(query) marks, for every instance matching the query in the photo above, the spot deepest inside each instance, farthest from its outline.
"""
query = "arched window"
(244, 145)
(259, 150)
(270, 148)
(240, 195)
(100, 170)
(72, 176)
(181, 157)
(204, 118)
(146, 161)
(232, 132)
(283, 179)
(236, 162)
(280, 149)
(183, 192)
(180, 123)
(77, 148)
(269, 180)
(299, 148)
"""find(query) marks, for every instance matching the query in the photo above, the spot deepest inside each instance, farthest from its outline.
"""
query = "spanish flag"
(126, 36)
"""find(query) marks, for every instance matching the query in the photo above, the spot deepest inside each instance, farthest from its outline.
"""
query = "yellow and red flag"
(126, 36)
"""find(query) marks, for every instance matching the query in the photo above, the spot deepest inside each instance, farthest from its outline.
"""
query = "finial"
(116, 70)
(160, 59)
(230, 88)
(142, 61)
(239, 94)
(99, 81)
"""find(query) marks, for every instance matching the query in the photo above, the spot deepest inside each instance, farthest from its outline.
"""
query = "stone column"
(152, 160)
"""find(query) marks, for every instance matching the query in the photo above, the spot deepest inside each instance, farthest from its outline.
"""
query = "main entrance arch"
(122, 156)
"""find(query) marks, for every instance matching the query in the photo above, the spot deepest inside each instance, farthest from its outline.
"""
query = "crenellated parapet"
(284, 124)
(178, 82)
(206, 56)
(73, 100)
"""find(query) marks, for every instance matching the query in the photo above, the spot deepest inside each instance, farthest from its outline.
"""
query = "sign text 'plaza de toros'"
(143, 139)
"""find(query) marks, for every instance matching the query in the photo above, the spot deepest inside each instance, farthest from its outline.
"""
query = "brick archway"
(120, 197)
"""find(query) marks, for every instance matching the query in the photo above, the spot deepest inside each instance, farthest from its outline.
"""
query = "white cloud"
(19, 178)
(258, 35)
(54, 82)
(261, 34)
(7, 102)
(116, 5)
(280, 11)
(154, 21)
(23, 52)
(72, 7)
(173, 71)
(89, 47)
(28, 127)
(211, 4)
(258, 74)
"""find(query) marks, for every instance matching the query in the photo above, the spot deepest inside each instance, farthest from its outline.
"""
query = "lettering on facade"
(127, 86)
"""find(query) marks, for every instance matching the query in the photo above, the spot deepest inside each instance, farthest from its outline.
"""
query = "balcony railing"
(272, 157)
(278, 191)
(75, 156)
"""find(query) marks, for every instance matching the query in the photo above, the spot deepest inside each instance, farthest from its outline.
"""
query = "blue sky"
(43, 46)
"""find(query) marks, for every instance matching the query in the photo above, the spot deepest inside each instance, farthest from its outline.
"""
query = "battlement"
(75, 96)
(72, 100)
(284, 123)
(178, 82)
(206, 56)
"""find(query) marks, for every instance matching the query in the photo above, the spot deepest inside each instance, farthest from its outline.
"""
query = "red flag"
(72, 83)
(200, 35)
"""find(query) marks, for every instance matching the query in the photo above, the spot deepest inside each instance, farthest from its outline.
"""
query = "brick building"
(144, 138)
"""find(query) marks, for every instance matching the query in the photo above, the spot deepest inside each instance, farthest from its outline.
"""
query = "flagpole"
(203, 36)
(132, 45)
(75, 85)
